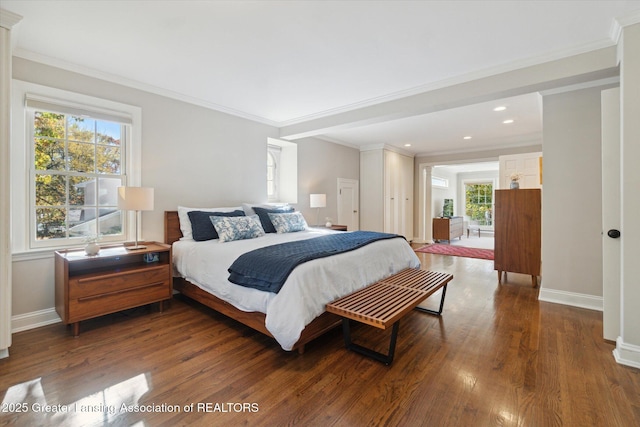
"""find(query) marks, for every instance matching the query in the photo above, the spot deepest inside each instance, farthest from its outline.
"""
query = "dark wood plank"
(497, 356)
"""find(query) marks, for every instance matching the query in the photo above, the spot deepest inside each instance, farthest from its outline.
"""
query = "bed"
(296, 314)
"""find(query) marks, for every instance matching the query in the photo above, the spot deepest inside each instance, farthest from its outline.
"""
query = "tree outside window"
(78, 163)
(479, 203)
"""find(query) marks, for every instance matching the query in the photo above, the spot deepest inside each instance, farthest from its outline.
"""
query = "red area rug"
(437, 248)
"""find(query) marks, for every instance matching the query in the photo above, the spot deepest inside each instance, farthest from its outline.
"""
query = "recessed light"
(467, 137)
(500, 108)
(506, 122)
(407, 145)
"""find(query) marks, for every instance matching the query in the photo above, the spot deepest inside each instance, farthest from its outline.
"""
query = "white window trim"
(275, 151)
(445, 182)
(21, 155)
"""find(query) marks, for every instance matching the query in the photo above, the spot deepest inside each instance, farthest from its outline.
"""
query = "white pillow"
(185, 223)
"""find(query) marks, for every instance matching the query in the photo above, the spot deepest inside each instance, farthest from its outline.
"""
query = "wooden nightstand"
(116, 279)
(338, 227)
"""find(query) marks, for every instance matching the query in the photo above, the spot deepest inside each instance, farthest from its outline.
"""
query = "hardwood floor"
(497, 357)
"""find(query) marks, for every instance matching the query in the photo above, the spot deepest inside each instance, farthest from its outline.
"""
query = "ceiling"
(287, 62)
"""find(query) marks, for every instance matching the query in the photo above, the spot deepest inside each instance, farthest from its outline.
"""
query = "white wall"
(192, 156)
(438, 194)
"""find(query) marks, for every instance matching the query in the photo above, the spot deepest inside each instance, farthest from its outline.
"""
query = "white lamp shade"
(135, 198)
(318, 201)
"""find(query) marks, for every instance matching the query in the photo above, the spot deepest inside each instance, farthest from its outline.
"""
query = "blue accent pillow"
(263, 214)
(288, 222)
(237, 228)
(201, 225)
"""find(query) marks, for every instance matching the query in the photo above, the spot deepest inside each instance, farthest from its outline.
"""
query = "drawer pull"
(119, 273)
(121, 291)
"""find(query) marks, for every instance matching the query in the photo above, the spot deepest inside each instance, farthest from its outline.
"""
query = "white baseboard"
(4, 353)
(627, 354)
(35, 319)
(570, 298)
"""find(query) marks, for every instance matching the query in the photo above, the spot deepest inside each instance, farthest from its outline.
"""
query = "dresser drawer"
(86, 286)
(96, 305)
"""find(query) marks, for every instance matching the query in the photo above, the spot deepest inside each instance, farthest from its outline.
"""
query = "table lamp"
(318, 201)
(135, 199)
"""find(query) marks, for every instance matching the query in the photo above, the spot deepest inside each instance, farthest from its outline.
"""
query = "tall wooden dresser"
(517, 225)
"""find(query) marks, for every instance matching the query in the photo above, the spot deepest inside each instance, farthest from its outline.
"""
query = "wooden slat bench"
(385, 302)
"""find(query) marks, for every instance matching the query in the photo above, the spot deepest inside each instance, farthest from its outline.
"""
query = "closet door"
(407, 197)
(391, 191)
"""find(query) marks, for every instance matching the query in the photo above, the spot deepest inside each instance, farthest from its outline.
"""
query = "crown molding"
(388, 148)
(619, 23)
(529, 141)
(134, 84)
(335, 141)
(8, 19)
(460, 79)
(585, 85)
(464, 78)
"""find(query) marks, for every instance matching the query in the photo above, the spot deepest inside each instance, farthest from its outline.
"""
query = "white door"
(611, 216)
(527, 165)
(348, 203)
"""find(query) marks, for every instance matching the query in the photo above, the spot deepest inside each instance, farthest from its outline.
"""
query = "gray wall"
(572, 193)
(192, 156)
(320, 164)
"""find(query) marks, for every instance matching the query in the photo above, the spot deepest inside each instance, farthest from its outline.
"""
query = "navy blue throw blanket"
(267, 268)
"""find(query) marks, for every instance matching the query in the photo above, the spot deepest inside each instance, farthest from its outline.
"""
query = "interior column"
(7, 21)
(627, 350)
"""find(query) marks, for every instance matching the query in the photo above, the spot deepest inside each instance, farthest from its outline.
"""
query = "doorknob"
(614, 234)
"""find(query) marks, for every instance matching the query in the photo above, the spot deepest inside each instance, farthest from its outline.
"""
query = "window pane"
(110, 222)
(51, 190)
(81, 129)
(108, 133)
(82, 191)
(108, 159)
(81, 157)
(49, 124)
(49, 154)
(50, 223)
(82, 222)
(108, 192)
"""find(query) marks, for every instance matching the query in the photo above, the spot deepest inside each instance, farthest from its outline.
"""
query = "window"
(78, 150)
(479, 203)
(77, 164)
(273, 172)
(436, 181)
(282, 171)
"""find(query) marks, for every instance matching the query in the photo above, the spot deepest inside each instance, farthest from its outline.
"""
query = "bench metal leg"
(439, 312)
(384, 358)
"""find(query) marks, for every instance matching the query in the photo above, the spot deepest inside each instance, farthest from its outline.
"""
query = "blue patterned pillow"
(201, 226)
(263, 214)
(237, 227)
(288, 222)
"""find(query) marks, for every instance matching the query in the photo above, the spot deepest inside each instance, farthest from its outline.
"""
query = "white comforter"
(307, 290)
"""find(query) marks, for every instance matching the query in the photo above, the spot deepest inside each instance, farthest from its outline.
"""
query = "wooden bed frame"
(256, 320)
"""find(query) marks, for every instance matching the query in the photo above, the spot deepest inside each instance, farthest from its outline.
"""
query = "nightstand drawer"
(105, 303)
(107, 283)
